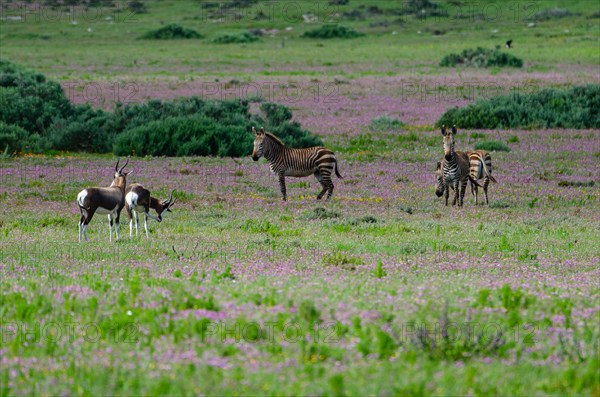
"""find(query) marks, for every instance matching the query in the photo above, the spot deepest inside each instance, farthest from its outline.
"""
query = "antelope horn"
(117, 166)
(123, 167)
(170, 201)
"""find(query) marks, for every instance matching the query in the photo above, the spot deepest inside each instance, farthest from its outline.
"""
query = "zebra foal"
(480, 163)
(455, 169)
(285, 161)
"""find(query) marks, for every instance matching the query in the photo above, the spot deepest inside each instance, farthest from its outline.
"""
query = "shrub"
(137, 7)
(186, 136)
(481, 58)
(576, 107)
(15, 139)
(245, 37)
(333, 32)
(385, 123)
(492, 146)
(35, 115)
(172, 31)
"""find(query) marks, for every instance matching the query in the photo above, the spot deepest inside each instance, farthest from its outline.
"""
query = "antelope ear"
(454, 130)
(443, 130)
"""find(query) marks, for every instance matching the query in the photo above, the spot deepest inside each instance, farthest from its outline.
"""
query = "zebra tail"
(337, 173)
(474, 182)
(487, 173)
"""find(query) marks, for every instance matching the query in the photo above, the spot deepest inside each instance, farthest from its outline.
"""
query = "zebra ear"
(439, 165)
(262, 130)
(454, 130)
(253, 130)
(443, 130)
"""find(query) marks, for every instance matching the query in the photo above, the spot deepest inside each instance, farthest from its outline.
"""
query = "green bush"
(481, 58)
(35, 115)
(576, 107)
(333, 32)
(15, 139)
(245, 37)
(492, 146)
(172, 31)
(186, 136)
(385, 123)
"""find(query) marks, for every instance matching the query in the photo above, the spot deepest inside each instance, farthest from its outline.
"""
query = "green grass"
(371, 293)
(63, 42)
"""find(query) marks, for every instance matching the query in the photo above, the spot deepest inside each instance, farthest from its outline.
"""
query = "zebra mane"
(277, 140)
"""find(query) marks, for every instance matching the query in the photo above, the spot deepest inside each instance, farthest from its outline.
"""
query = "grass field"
(383, 290)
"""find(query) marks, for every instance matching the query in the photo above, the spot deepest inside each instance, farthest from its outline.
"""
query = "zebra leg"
(146, 224)
(282, 186)
(456, 192)
(320, 179)
(463, 188)
(446, 192)
(475, 192)
(329, 183)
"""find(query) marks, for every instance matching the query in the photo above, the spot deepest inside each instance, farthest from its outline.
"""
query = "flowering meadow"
(381, 291)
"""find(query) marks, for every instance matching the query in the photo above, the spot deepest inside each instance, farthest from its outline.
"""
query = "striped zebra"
(455, 169)
(480, 167)
(285, 161)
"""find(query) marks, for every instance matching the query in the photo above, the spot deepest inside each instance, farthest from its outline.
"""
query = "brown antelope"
(104, 200)
(138, 200)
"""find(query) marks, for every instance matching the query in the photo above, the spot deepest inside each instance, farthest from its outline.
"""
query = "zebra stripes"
(480, 167)
(455, 169)
(285, 161)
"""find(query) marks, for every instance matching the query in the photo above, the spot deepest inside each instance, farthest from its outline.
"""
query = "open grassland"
(382, 291)
(338, 298)
(101, 43)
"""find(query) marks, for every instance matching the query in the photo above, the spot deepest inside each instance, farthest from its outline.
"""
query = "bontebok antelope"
(138, 200)
(103, 200)
(455, 169)
(285, 161)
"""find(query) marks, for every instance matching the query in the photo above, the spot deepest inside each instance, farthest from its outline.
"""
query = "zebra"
(480, 167)
(456, 169)
(285, 161)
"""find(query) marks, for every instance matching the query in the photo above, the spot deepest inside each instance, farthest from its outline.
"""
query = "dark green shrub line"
(36, 116)
(575, 107)
(245, 37)
(332, 32)
(172, 31)
(481, 58)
